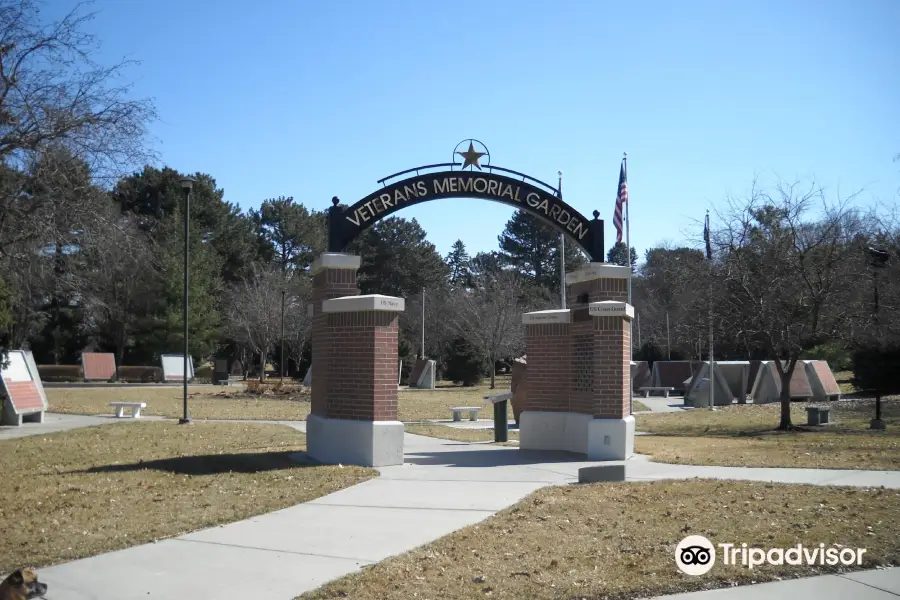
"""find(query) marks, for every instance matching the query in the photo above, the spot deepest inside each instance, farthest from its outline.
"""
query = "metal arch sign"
(345, 224)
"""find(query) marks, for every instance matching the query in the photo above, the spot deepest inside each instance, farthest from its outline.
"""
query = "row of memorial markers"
(734, 381)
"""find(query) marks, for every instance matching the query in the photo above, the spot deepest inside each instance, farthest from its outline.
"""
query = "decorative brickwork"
(581, 395)
(612, 367)
(598, 290)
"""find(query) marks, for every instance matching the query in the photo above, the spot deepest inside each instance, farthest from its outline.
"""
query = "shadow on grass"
(212, 464)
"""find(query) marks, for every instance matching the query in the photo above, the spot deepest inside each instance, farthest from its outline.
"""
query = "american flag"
(621, 199)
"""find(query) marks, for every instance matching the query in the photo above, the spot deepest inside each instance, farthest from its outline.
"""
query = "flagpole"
(627, 227)
(712, 364)
(562, 256)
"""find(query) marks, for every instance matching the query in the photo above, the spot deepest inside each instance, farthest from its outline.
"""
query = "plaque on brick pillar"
(356, 419)
(611, 431)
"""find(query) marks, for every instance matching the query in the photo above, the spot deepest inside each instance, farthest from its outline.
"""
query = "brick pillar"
(611, 432)
(354, 377)
(585, 402)
(547, 349)
(542, 422)
(334, 276)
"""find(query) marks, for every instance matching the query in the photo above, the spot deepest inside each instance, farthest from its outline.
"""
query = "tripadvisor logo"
(696, 555)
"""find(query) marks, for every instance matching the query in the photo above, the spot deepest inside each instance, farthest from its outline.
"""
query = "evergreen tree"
(532, 248)
(397, 260)
(155, 194)
(617, 256)
(465, 363)
(459, 263)
(289, 235)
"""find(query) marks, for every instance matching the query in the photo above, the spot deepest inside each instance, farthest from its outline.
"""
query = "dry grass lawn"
(457, 433)
(211, 403)
(203, 403)
(83, 492)
(638, 406)
(617, 541)
(742, 435)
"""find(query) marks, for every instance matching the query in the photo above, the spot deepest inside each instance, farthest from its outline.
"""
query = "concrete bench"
(473, 412)
(134, 406)
(664, 390)
(494, 398)
(816, 415)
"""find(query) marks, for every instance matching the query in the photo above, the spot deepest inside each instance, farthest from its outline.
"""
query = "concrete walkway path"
(443, 486)
(659, 404)
(54, 422)
(878, 584)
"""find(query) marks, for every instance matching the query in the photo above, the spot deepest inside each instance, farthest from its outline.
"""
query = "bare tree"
(253, 312)
(52, 91)
(297, 322)
(117, 285)
(789, 275)
(489, 315)
(59, 110)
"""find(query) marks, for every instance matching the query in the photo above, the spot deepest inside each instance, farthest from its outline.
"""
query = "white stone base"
(598, 439)
(611, 439)
(348, 442)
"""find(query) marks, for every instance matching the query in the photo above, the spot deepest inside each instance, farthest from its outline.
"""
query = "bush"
(836, 355)
(464, 364)
(60, 373)
(140, 374)
(875, 369)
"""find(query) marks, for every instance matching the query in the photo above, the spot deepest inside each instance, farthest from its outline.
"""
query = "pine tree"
(459, 263)
(617, 255)
(532, 247)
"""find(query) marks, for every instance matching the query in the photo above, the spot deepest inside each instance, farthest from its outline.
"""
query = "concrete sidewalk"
(879, 584)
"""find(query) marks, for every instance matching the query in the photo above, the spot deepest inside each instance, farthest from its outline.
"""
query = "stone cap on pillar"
(361, 303)
(611, 308)
(598, 271)
(335, 260)
(540, 317)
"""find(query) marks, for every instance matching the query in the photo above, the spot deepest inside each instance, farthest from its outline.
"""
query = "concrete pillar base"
(546, 430)
(349, 442)
(610, 439)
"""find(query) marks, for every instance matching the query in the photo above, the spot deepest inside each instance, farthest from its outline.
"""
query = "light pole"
(187, 184)
(877, 260)
(281, 358)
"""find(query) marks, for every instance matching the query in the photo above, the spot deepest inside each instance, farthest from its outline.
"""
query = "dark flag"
(706, 238)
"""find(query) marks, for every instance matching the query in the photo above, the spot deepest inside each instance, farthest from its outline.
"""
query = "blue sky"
(317, 99)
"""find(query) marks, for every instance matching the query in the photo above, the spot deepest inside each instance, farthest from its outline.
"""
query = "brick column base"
(611, 431)
(354, 379)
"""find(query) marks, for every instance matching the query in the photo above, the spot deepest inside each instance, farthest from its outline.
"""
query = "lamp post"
(187, 184)
(877, 260)
(281, 358)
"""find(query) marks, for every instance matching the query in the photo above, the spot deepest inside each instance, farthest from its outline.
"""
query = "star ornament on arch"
(471, 157)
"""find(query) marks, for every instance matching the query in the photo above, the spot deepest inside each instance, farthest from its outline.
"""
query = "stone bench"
(817, 415)
(664, 390)
(473, 412)
(134, 406)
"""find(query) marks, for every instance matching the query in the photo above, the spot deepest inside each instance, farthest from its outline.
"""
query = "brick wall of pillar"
(612, 367)
(547, 346)
(328, 283)
(367, 340)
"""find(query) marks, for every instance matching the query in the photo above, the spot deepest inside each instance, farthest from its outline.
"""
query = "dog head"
(22, 585)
